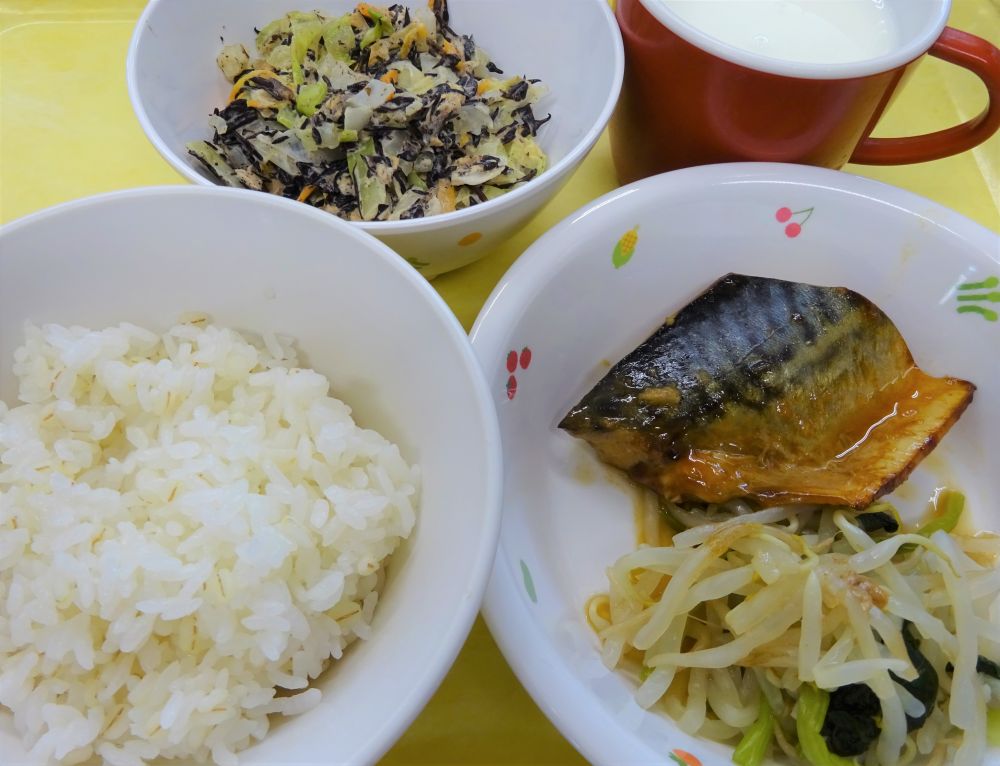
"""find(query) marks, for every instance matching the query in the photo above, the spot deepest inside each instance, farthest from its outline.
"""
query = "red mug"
(691, 99)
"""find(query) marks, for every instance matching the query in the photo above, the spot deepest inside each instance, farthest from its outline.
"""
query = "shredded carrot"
(390, 78)
(306, 191)
(416, 35)
(365, 10)
(238, 85)
(449, 48)
(446, 193)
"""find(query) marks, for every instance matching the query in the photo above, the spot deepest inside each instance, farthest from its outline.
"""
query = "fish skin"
(759, 388)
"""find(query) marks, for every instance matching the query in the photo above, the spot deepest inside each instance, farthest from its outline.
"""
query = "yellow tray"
(67, 131)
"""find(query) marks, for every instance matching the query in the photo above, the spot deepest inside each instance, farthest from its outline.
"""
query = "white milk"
(810, 31)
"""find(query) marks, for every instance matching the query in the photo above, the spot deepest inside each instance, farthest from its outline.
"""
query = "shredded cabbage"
(310, 97)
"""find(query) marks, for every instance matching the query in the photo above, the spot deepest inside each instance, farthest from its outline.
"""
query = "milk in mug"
(808, 31)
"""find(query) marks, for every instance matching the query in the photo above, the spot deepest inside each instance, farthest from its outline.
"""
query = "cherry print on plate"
(793, 227)
(515, 360)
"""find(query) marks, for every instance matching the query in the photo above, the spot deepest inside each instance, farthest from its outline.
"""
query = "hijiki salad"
(379, 114)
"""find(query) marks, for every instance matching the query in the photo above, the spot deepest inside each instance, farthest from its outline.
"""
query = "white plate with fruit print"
(594, 287)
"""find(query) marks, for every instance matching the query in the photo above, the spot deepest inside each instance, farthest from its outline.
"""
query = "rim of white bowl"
(902, 54)
(468, 215)
(451, 639)
(535, 662)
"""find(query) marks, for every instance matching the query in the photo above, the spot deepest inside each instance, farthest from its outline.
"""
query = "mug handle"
(983, 60)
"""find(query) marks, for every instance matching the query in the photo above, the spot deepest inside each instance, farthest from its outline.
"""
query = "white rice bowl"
(191, 527)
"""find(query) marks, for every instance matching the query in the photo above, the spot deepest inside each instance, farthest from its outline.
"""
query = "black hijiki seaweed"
(440, 10)
(449, 60)
(399, 15)
(272, 87)
(248, 149)
(468, 47)
(475, 138)
(237, 114)
(416, 210)
(489, 162)
(207, 166)
(414, 57)
(509, 132)
(400, 178)
(518, 91)
(469, 85)
(527, 115)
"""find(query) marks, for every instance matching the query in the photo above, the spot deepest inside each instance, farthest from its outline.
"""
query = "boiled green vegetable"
(757, 739)
(809, 716)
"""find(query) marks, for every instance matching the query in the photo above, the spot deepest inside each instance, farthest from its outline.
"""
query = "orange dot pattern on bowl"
(684, 758)
(470, 239)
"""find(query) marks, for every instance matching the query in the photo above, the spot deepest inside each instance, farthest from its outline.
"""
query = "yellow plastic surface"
(67, 131)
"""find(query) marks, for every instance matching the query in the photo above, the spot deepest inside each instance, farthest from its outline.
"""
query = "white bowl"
(565, 520)
(392, 350)
(574, 46)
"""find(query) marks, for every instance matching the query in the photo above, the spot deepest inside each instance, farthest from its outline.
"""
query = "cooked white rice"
(189, 524)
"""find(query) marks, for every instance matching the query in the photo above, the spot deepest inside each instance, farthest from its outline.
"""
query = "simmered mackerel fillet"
(772, 390)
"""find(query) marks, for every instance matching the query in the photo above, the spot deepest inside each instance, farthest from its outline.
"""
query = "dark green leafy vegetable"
(849, 727)
(988, 667)
(983, 665)
(810, 714)
(878, 521)
(851, 723)
(925, 686)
